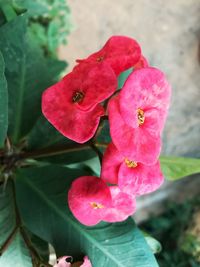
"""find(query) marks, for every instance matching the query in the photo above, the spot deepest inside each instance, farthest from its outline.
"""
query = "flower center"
(130, 163)
(96, 205)
(78, 97)
(100, 58)
(140, 116)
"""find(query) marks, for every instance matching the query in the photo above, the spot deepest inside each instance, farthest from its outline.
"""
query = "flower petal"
(73, 123)
(64, 261)
(88, 198)
(120, 52)
(140, 180)
(112, 160)
(86, 262)
(97, 82)
(142, 63)
(141, 144)
(123, 206)
(144, 89)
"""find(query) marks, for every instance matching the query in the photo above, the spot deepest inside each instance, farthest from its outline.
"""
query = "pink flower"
(72, 105)
(123, 205)
(88, 198)
(92, 201)
(142, 63)
(66, 261)
(120, 52)
(137, 115)
(86, 262)
(132, 177)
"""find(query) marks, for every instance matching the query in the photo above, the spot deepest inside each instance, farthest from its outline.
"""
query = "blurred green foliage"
(49, 21)
(170, 228)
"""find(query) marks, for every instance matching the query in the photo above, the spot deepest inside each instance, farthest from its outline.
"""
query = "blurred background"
(169, 34)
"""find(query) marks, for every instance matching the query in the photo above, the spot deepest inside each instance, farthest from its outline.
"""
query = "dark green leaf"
(104, 136)
(41, 246)
(47, 215)
(28, 73)
(3, 103)
(175, 168)
(44, 135)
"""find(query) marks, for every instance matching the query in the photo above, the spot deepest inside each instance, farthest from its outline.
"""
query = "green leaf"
(16, 253)
(7, 213)
(47, 215)
(154, 245)
(28, 73)
(104, 136)
(176, 167)
(123, 76)
(3, 103)
(35, 8)
(41, 246)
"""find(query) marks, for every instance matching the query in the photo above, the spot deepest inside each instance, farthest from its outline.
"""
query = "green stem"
(8, 11)
(47, 152)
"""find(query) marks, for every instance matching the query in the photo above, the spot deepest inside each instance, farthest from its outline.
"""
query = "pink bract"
(137, 115)
(64, 261)
(142, 63)
(86, 262)
(120, 52)
(71, 105)
(123, 205)
(88, 198)
(132, 177)
(95, 81)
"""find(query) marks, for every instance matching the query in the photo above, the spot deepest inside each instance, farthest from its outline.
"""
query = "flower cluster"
(136, 114)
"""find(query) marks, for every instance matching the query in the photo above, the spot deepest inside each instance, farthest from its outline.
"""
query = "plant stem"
(46, 152)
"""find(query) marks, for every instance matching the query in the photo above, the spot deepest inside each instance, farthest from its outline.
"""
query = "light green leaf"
(176, 167)
(35, 8)
(123, 76)
(47, 215)
(16, 253)
(3, 103)
(28, 73)
(7, 213)
(154, 244)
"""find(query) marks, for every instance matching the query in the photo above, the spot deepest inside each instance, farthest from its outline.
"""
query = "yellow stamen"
(100, 58)
(78, 97)
(130, 163)
(140, 116)
(96, 205)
